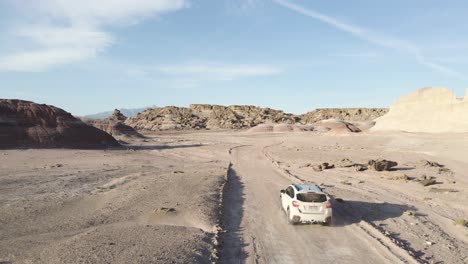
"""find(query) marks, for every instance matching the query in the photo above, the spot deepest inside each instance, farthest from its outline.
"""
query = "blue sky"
(88, 56)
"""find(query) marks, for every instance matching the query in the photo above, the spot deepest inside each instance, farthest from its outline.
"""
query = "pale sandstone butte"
(433, 110)
(27, 124)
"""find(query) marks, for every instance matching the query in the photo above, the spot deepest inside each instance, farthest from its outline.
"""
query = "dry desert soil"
(213, 196)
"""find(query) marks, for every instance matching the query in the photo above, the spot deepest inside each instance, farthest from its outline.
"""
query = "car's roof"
(307, 188)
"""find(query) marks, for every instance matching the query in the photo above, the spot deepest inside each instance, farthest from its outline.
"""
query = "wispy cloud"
(368, 55)
(55, 46)
(217, 71)
(376, 38)
(40, 60)
(243, 6)
(62, 32)
(196, 74)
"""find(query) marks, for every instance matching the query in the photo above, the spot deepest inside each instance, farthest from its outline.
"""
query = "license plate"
(313, 208)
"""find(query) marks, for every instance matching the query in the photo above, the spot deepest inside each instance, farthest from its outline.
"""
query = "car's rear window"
(312, 197)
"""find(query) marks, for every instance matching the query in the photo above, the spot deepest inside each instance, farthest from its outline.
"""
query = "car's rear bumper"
(312, 218)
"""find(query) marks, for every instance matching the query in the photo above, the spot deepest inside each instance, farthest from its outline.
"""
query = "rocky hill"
(240, 116)
(200, 116)
(27, 124)
(115, 125)
(205, 116)
(167, 118)
(346, 114)
(432, 110)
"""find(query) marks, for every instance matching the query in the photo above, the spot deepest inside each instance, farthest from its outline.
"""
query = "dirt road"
(257, 231)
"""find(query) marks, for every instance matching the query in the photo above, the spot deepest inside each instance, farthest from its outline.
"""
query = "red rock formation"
(31, 125)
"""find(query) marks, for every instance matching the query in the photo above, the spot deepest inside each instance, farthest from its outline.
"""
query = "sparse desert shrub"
(411, 213)
(461, 222)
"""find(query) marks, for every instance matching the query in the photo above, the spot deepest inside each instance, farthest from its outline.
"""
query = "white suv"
(306, 204)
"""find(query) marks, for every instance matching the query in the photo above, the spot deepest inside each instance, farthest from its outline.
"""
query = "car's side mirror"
(282, 191)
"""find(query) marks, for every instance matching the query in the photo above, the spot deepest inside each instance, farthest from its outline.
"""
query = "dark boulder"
(382, 165)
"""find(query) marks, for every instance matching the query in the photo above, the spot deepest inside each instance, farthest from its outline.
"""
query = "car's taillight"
(329, 205)
(295, 204)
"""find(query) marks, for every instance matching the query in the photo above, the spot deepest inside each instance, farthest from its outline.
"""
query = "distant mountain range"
(127, 112)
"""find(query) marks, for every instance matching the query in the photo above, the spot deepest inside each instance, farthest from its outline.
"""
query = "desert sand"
(155, 202)
(212, 196)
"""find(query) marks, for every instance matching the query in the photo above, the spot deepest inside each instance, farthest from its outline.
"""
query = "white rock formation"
(432, 110)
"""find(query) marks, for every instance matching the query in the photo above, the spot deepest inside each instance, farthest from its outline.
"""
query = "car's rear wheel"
(327, 221)
(288, 216)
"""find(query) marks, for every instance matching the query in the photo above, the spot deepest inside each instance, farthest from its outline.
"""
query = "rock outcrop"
(240, 116)
(132, 112)
(115, 125)
(113, 128)
(433, 110)
(279, 128)
(208, 116)
(335, 126)
(167, 118)
(26, 124)
(345, 114)
(117, 116)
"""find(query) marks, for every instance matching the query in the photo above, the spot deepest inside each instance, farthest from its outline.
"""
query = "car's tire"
(288, 217)
(327, 222)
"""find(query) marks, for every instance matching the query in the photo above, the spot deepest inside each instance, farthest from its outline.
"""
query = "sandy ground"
(155, 204)
(162, 200)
